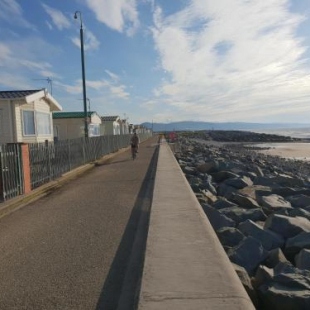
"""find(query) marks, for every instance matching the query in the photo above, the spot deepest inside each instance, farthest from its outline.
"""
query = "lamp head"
(75, 15)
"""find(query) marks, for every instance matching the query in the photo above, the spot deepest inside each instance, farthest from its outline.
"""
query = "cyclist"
(134, 141)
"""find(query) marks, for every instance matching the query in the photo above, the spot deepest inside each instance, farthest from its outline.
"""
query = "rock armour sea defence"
(259, 206)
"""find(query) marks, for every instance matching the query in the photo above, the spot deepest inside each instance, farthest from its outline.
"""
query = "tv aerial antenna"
(49, 82)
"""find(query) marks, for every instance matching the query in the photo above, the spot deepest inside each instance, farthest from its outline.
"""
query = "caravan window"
(36, 123)
(28, 123)
(43, 123)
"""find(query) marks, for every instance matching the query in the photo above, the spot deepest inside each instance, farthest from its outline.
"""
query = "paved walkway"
(80, 246)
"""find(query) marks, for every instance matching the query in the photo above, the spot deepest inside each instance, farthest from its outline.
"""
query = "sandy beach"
(300, 151)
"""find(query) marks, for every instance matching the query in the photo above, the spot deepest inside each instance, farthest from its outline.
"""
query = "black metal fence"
(11, 177)
(49, 161)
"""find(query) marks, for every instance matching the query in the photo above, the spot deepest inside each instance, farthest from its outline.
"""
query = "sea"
(302, 133)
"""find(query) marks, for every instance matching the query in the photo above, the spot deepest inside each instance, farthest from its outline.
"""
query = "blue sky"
(164, 60)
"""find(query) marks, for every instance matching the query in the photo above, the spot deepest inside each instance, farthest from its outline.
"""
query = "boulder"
(287, 226)
(274, 203)
(290, 191)
(209, 196)
(255, 191)
(269, 239)
(209, 166)
(229, 236)
(222, 203)
(249, 253)
(245, 201)
(275, 257)
(296, 244)
(258, 171)
(299, 212)
(239, 215)
(302, 259)
(289, 289)
(189, 170)
(239, 182)
(226, 191)
(263, 275)
(299, 201)
(246, 282)
(207, 184)
(289, 181)
(223, 175)
(217, 219)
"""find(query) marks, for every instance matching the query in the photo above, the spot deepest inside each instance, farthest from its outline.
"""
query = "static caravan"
(110, 125)
(71, 125)
(26, 116)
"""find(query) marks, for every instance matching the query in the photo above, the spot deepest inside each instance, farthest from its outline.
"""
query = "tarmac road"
(71, 249)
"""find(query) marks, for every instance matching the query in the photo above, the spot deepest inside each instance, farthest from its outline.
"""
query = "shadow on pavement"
(122, 285)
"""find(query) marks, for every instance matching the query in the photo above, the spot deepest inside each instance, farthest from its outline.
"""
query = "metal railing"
(49, 161)
(11, 178)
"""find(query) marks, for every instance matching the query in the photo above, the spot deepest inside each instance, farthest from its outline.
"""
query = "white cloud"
(120, 15)
(112, 75)
(13, 81)
(110, 89)
(58, 18)
(90, 41)
(5, 53)
(119, 91)
(11, 12)
(231, 60)
(71, 89)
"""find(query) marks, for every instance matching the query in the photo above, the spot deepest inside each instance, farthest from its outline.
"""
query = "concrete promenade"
(115, 234)
(185, 265)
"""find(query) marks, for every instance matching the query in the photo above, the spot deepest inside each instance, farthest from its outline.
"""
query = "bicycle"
(133, 151)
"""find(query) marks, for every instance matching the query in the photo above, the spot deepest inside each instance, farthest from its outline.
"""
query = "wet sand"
(299, 151)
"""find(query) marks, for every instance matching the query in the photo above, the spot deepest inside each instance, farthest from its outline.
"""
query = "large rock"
(239, 182)
(290, 191)
(245, 201)
(223, 175)
(207, 184)
(209, 166)
(263, 275)
(269, 239)
(275, 257)
(296, 244)
(239, 215)
(230, 236)
(216, 218)
(226, 191)
(289, 181)
(222, 203)
(248, 254)
(302, 259)
(246, 282)
(209, 196)
(299, 212)
(255, 191)
(287, 226)
(189, 170)
(279, 181)
(274, 203)
(289, 289)
(299, 201)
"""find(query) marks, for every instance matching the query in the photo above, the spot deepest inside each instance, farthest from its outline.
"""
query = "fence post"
(26, 172)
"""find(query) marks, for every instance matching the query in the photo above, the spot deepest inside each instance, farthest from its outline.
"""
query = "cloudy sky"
(163, 60)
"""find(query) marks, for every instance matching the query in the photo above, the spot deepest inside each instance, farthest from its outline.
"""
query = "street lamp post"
(83, 73)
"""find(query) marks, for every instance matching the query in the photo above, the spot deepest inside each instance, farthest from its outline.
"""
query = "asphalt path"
(73, 249)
